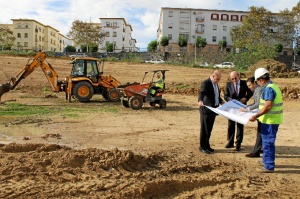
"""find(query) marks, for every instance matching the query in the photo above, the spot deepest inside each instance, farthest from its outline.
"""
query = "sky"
(142, 15)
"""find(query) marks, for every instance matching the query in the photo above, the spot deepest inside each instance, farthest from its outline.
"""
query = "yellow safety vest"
(275, 115)
(160, 83)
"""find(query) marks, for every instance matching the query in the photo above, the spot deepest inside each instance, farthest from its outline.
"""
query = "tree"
(278, 48)
(222, 44)
(6, 37)
(109, 47)
(164, 41)
(70, 49)
(85, 34)
(152, 46)
(201, 42)
(182, 42)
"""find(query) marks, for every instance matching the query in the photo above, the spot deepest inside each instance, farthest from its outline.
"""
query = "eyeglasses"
(235, 78)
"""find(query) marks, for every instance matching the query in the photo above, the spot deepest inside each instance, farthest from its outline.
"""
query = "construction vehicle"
(85, 79)
(136, 94)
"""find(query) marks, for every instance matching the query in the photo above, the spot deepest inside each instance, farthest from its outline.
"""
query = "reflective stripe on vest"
(160, 83)
(275, 115)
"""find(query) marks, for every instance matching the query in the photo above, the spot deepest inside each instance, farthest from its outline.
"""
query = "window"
(224, 38)
(107, 34)
(19, 35)
(114, 34)
(107, 23)
(170, 36)
(115, 24)
(214, 39)
(185, 36)
(214, 27)
(18, 44)
(19, 25)
(224, 28)
(25, 44)
(224, 17)
(214, 17)
(170, 13)
(184, 26)
(40, 38)
(170, 25)
(106, 43)
(243, 17)
(26, 26)
(25, 35)
(234, 18)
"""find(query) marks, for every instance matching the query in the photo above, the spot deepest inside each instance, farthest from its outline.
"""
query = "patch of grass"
(17, 109)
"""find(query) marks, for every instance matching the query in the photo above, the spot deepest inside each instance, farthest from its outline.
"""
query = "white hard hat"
(260, 72)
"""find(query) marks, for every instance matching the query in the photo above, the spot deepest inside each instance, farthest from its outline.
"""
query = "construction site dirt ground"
(104, 150)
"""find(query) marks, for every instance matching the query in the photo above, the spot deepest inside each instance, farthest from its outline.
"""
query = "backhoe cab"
(134, 95)
(88, 79)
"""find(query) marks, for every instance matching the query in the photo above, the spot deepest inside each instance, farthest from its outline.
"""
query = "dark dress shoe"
(211, 150)
(228, 145)
(238, 147)
(206, 151)
(251, 155)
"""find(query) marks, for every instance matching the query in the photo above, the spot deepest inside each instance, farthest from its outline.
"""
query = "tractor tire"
(135, 102)
(152, 104)
(83, 91)
(114, 95)
(125, 103)
(162, 103)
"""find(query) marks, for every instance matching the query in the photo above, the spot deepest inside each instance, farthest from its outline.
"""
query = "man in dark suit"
(209, 95)
(236, 89)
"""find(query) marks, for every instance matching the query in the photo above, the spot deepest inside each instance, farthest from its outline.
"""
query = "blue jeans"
(268, 135)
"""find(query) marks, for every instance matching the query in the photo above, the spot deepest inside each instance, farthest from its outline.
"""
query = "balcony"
(199, 19)
(200, 30)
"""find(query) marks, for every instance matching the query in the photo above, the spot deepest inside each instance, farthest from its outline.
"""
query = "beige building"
(213, 25)
(32, 35)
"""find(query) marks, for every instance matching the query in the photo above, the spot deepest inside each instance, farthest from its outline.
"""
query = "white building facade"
(117, 32)
(213, 25)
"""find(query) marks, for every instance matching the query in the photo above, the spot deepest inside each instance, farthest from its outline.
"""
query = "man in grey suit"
(209, 95)
(253, 86)
(236, 89)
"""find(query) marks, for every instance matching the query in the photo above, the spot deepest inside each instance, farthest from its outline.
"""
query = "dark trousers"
(207, 123)
(231, 132)
(258, 142)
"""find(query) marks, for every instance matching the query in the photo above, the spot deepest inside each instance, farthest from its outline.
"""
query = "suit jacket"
(207, 95)
(244, 91)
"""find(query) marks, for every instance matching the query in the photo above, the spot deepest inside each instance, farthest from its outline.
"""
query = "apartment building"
(213, 25)
(33, 35)
(118, 32)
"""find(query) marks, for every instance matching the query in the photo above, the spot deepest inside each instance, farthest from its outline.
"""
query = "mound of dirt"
(53, 171)
(276, 69)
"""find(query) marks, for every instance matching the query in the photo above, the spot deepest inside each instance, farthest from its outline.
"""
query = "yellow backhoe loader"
(85, 80)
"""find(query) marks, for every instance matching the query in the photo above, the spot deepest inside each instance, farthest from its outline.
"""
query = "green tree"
(70, 49)
(182, 42)
(109, 47)
(6, 37)
(222, 44)
(85, 34)
(164, 41)
(201, 42)
(152, 46)
(278, 48)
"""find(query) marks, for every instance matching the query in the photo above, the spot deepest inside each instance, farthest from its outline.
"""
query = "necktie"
(216, 94)
(236, 89)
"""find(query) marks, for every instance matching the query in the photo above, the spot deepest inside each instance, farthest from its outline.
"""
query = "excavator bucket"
(4, 88)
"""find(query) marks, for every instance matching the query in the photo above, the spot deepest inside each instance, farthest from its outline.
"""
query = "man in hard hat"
(270, 115)
(159, 84)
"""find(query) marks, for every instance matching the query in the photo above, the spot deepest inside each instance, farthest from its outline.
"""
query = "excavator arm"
(38, 61)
